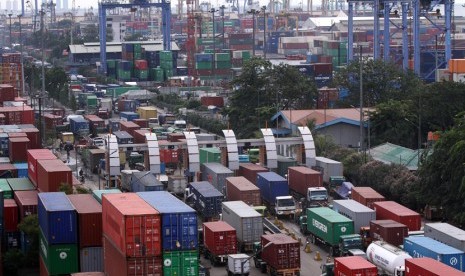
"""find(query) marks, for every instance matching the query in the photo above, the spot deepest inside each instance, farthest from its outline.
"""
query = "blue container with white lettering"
(419, 247)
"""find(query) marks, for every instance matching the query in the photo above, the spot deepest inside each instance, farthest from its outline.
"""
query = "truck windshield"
(318, 193)
(352, 243)
(286, 202)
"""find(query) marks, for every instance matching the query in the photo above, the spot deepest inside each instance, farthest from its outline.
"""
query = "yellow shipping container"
(67, 137)
(147, 112)
(122, 157)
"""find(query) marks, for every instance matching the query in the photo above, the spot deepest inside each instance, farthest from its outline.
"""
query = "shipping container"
(418, 247)
(216, 174)
(27, 203)
(116, 263)
(143, 123)
(177, 184)
(91, 259)
(88, 274)
(57, 218)
(128, 116)
(59, 258)
(97, 194)
(271, 185)
(206, 199)
(131, 224)
(10, 215)
(20, 184)
(328, 225)
(147, 112)
(21, 169)
(6, 189)
(178, 221)
(18, 149)
(302, 178)
(89, 219)
(123, 137)
(284, 163)
(79, 126)
(181, 263)
(282, 254)
(429, 267)
(219, 240)
(239, 188)
(247, 222)
(446, 233)
(139, 136)
(366, 196)
(51, 174)
(145, 182)
(250, 170)
(8, 170)
(217, 101)
(360, 214)
(209, 155)
(354, 266)
(329, 167)
(389, 231)
(395, 211)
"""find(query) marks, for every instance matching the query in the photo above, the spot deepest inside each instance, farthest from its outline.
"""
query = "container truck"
(79, 126)
(125, 180)
(247, 222)
(331, 229)
(219, 240)
(274, 191)
(360, 214)
(278, 254)
(418, 247)
(145, 182)
(329, 167)
(250, 170)
(177, 184)
(388, 231)
(446, 233)
(239, 188)
(238, 264)
(366, 196)
(429, 267)
(389, 259)
(216, 174)
(205, 199)
(306, 185)
(354, 266)
(395, 211)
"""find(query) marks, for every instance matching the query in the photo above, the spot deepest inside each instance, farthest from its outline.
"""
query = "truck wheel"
(230, 273)
(312, 237)
(256, 263)
(212, 260)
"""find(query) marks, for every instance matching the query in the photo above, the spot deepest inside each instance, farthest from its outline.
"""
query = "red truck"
(279, 253)
(239, 188)
(219, 241)
(395, 211)
(429, 267)
(354, 266)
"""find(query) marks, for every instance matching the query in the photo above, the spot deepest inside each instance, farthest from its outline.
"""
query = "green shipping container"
(20, 184)
(223, 65)
(137, 48)
(223, 57)
(97, 194)
(166, 64)
(59, 258)
(328, 224)
(283, 164)
(7, 192)
(166, 55)
(181, 263)
(159, 75)
(91, 100)
(168, 73)
(142, 74)
(210, 155)
(203, 65)
(246, 55)
(117, 91)
(111, 63)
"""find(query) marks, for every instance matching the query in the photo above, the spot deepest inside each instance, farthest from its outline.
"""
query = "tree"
(90, 33)
(261, 90)
(30, 226)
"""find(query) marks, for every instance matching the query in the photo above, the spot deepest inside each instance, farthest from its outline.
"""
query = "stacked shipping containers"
(51, 174)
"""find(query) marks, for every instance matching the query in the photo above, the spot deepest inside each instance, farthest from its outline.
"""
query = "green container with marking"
(20, 184)
(59, 258)
(91, 100)
(328, 224)
(209, 155)
(7, 192)
(181, 263)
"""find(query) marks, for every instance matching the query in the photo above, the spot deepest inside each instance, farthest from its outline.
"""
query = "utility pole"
(43, 76)
(222, 16)
(21, 55)
(11, 39)
(264, 31)
(362, 148)
(212, 11)
(253, 12)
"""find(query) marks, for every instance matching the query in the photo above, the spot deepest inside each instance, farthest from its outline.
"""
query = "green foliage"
(209, 124)
(66, 188)
(12, 261)
(30, 226)
(82, 190)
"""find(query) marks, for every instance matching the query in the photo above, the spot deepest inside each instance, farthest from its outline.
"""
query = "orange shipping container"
(457, 65)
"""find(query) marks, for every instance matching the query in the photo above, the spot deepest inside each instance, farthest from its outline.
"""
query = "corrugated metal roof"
(115, 47)
(393, 154)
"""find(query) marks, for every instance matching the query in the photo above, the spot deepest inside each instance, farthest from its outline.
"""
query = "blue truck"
(205, 198)
(419, 247)
(79, 126)
(128, 116)
(274, 191)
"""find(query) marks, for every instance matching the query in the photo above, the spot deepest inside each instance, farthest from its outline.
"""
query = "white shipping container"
(330, 167)
(235, 265)
(446, 233)
(247, 222)
(359, 213)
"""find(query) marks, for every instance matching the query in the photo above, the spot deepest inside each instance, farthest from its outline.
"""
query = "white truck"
(238, 264)
(389, 259)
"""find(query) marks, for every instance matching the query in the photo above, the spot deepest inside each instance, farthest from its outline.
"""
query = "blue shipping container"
(113, 125)
(272, 185)
(207, 199)
(22, 169)
(419, 247)
(57, 218)
(128, 116)
(179, 221)
(145, 182)
(78, 125)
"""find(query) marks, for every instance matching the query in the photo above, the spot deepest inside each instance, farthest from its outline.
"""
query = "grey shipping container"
(216, 174)
(123, 137)
(446, 233)
(329, 167)
(207, 199)
(91, 259)
(145, 182)
(359, 213)
(247, 222)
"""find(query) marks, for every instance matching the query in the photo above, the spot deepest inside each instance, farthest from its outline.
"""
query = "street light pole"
(253, 12)
(11, 39)
(21, 55)
(212, 11)
(222, 16)
(264, 31)
(361, 103)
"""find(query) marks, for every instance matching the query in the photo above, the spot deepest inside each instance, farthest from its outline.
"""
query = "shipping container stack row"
(11, 73)
(15, 140)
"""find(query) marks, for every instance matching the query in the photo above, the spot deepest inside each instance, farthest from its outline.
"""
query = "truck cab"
(317, 197)
(349, 242)
(285, 205)
(303, 224)
(327, 269)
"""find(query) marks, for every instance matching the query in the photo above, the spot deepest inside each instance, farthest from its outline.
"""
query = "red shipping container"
(239, 188)
(139, 136)
(354, 266)
(212, 100)
(240, 35)
(18, 149)
(10, 215)
(389, 231)
(429, 267)
(5, 168)
(27, 203)
(51, 174)
(129, 127)
(395, 211)
(366, 196)
(143, 123)
(16, 134)
(246, 23)
(175, 137)
(116, 264)
(140, 64)
(7, 93)
(132, 224)
(42, 267)
(32, 157)
(89, 213)
(250, 170)
(219, 238)
(33, 135)
(95, 122)
(302, 178)
(282, 253)
(323, 67)
(51, 121)
(169, 156)
(299, 45)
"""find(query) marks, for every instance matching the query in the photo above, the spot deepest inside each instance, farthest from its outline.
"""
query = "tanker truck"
(389, 259)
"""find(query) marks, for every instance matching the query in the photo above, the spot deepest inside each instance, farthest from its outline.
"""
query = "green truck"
(330, 228)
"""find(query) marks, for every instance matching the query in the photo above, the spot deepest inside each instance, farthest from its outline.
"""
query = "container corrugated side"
(91, 259)
(219, 238)
(178, 221)
(32, 156)
(282, 253)
(354, 266)
(89, 215)
(10, 215)
(250, 170)
(429, 267)
(239, 188)
(207, 199)
(360, 214)
(389, 231)
(446, 233)
(272, 185)
(328, 224)
(27, 203)
(59, 258)
(185, 263)
(57, 218)
(395, 211)
(216, 174)
(247, 222)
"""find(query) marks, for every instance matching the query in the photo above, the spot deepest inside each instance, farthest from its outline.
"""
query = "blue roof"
(164, 202)
(338, 121)
(57, 201)
(271, 176)
(205, 188)
(20, 166)
(433, 245)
